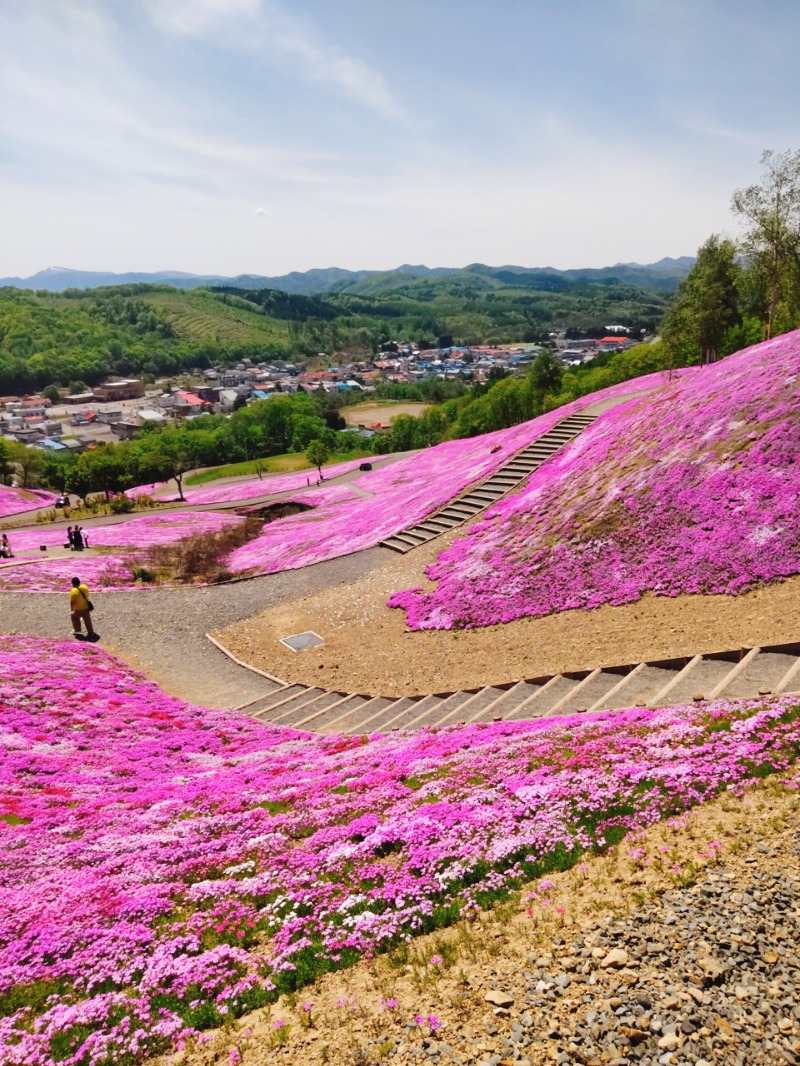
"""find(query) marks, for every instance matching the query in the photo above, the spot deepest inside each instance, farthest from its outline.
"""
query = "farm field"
(367, 414)
(207, 318)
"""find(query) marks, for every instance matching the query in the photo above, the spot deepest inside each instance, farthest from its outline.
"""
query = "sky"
(264, 136)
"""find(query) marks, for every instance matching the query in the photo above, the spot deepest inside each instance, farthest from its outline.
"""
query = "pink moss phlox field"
(324, 495)
(119, 543)
(17, 501)
(165, 867)
(269, 485)
(692, 489)
(404, 492)
(144, 490)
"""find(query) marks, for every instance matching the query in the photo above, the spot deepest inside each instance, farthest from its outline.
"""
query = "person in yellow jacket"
(80, 608)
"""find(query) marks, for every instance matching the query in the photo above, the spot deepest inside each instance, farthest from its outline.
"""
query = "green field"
(276, 464)
(211, 318)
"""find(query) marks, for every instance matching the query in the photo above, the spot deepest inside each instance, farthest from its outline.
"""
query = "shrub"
(121, 505)
(201, 558)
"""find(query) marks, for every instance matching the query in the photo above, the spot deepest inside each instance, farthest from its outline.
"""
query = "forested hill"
(663, 276)
(84, 335)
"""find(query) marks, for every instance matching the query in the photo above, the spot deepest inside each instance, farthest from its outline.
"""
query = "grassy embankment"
(276, 464)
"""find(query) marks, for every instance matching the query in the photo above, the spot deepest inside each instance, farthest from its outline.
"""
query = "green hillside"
(84, 335)
(88, 334)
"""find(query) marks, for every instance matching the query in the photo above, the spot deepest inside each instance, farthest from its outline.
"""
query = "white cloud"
(196, 18)
(274, 33)
(332, 66)
(264, 212)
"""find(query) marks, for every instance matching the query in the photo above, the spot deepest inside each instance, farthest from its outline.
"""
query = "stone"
(498, 998)
(615, 959)
(711, 967)
(668, 1042)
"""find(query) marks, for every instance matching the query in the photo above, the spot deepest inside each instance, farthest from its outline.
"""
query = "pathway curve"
(162, 631)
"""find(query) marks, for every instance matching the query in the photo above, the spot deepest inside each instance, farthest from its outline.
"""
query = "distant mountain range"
(663, 276)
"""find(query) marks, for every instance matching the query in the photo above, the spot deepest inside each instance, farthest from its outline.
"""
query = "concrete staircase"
(481, 496)
(739, 674)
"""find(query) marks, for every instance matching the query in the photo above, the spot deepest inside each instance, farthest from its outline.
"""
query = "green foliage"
(771, 242)
(706, 310)
(121, 505)
(317, 454)
(80, 337)
(6, 464)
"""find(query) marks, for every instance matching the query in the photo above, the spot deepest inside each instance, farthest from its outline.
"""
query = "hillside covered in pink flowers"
(165, 868)
(692, 488)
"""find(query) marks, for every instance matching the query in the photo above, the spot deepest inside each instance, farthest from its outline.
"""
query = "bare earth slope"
(369, 649)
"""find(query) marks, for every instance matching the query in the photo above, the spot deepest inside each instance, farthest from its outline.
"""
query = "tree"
(51, 393)
(707, 306)
(107, 468)
(771, 241)
(81, 478)
(167, 455)
(6, 465)
(56, 469)
(318, 454)
(28, 462)
(545, 375)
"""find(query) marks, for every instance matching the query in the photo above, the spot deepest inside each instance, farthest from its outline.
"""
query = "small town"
(118, 409)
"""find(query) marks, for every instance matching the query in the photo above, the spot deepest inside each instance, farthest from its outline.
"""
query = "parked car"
(365, 466)
(62, 501)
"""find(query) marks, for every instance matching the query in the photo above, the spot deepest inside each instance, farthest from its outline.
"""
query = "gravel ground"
(162, 631)
(368, 648)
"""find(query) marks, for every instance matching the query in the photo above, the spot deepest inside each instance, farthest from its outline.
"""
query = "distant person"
(80, 608)
(78, 535)
(5, 548)
(70, 539)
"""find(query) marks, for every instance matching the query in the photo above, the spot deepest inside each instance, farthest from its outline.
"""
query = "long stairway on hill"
(481, 496)
(742, 673)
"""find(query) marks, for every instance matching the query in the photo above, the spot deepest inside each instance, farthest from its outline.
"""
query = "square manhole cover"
(303, 641)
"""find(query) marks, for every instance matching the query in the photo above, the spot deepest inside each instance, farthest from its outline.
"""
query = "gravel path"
(162, 631)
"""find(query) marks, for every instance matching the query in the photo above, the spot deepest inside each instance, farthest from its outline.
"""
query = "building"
(125, 430)
(113, 391)
(232, 378)
(186, 403)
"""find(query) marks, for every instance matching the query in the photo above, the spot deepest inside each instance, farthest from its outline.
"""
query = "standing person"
(70, 539)
(78, 539)
(5, 548)
(80, 608)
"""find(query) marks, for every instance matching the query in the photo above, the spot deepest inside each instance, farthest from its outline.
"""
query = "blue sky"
(262, 136)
